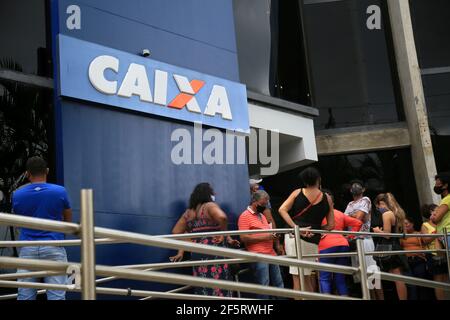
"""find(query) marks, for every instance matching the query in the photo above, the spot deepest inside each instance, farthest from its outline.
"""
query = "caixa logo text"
(136, 82)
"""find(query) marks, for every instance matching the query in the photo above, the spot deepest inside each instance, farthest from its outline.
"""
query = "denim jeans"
(327, 278)
(47, 253)
(267, 274)
(418, 269)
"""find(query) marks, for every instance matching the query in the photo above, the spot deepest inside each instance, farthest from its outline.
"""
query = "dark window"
(383, 171)
(352, 71)
(23, 34)
(270, 48)
(291, 77)
(431, 24)
(26, 111)
(26, 119)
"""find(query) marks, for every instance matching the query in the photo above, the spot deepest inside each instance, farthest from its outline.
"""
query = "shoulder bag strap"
(307, 208)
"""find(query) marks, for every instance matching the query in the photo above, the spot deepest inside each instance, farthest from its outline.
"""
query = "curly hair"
(202, 194)
(309, 176)
(444, 177)
(426, 210)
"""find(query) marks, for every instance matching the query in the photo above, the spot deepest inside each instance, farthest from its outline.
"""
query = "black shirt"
(313, 217)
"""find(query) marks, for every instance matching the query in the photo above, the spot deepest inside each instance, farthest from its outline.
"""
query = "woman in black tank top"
(306, 208)
(312, 217)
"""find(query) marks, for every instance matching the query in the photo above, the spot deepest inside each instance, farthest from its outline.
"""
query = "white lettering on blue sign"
(124, 80)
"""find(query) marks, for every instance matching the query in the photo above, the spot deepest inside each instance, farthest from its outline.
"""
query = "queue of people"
(312, 207)
(309, 207)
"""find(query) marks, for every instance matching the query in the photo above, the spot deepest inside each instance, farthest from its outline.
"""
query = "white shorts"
(369, 246)
(307, 248)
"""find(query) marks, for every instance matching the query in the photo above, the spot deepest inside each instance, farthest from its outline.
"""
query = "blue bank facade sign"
(96, 73)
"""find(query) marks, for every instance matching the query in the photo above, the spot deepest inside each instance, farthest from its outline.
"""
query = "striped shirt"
(250, 220)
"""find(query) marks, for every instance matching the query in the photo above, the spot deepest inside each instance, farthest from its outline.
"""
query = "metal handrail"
(379, 235)
(167, 242)
(72, 228)
(159, 266)
(163, 277)
(54, 243)
(291, 230)
(39, 222)
(137, 238)
(211, 234)
(370, 253)
(111, 291)
(35, 274)
(170, 291)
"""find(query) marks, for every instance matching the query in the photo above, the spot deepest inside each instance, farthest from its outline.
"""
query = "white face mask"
(213, 198)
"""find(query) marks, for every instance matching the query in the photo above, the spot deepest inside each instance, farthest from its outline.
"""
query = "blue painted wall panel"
(201, 20)
(125, 156)
(202, 39)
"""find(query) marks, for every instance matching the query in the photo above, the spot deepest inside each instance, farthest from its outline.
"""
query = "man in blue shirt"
(40, 199)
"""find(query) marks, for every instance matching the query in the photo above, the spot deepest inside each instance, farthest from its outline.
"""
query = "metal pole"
(72, 228)
(363, 269)
(159, 266)
(112, 291)
(13, 238)
(180, 289)
(35, 274)
(298, 248)
(172, 278)
(447, 251)
(38, 223)
(54, 243)
(211, 250)
(87, 245)
(221, 233)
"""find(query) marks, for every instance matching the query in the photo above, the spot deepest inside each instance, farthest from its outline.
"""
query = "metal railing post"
(363, 269)
(87, 245)
(447, 251)
(298, 248)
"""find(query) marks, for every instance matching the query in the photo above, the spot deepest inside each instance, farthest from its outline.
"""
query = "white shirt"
(365, 205)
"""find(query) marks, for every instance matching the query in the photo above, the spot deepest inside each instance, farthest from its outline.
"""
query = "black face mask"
(260, 209)
(438, 190)
(356, 190)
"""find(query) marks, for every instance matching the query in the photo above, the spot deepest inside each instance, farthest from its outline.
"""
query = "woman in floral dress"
(204, 215)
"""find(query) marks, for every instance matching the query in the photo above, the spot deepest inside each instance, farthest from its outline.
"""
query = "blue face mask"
(382, 210)
(213, 198)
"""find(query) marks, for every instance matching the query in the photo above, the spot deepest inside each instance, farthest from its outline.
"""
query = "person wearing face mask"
(255, 185)
(360, 208)
(204, 215)
(441, 215)
(393, 222)
(437, 262)
(253, 219)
